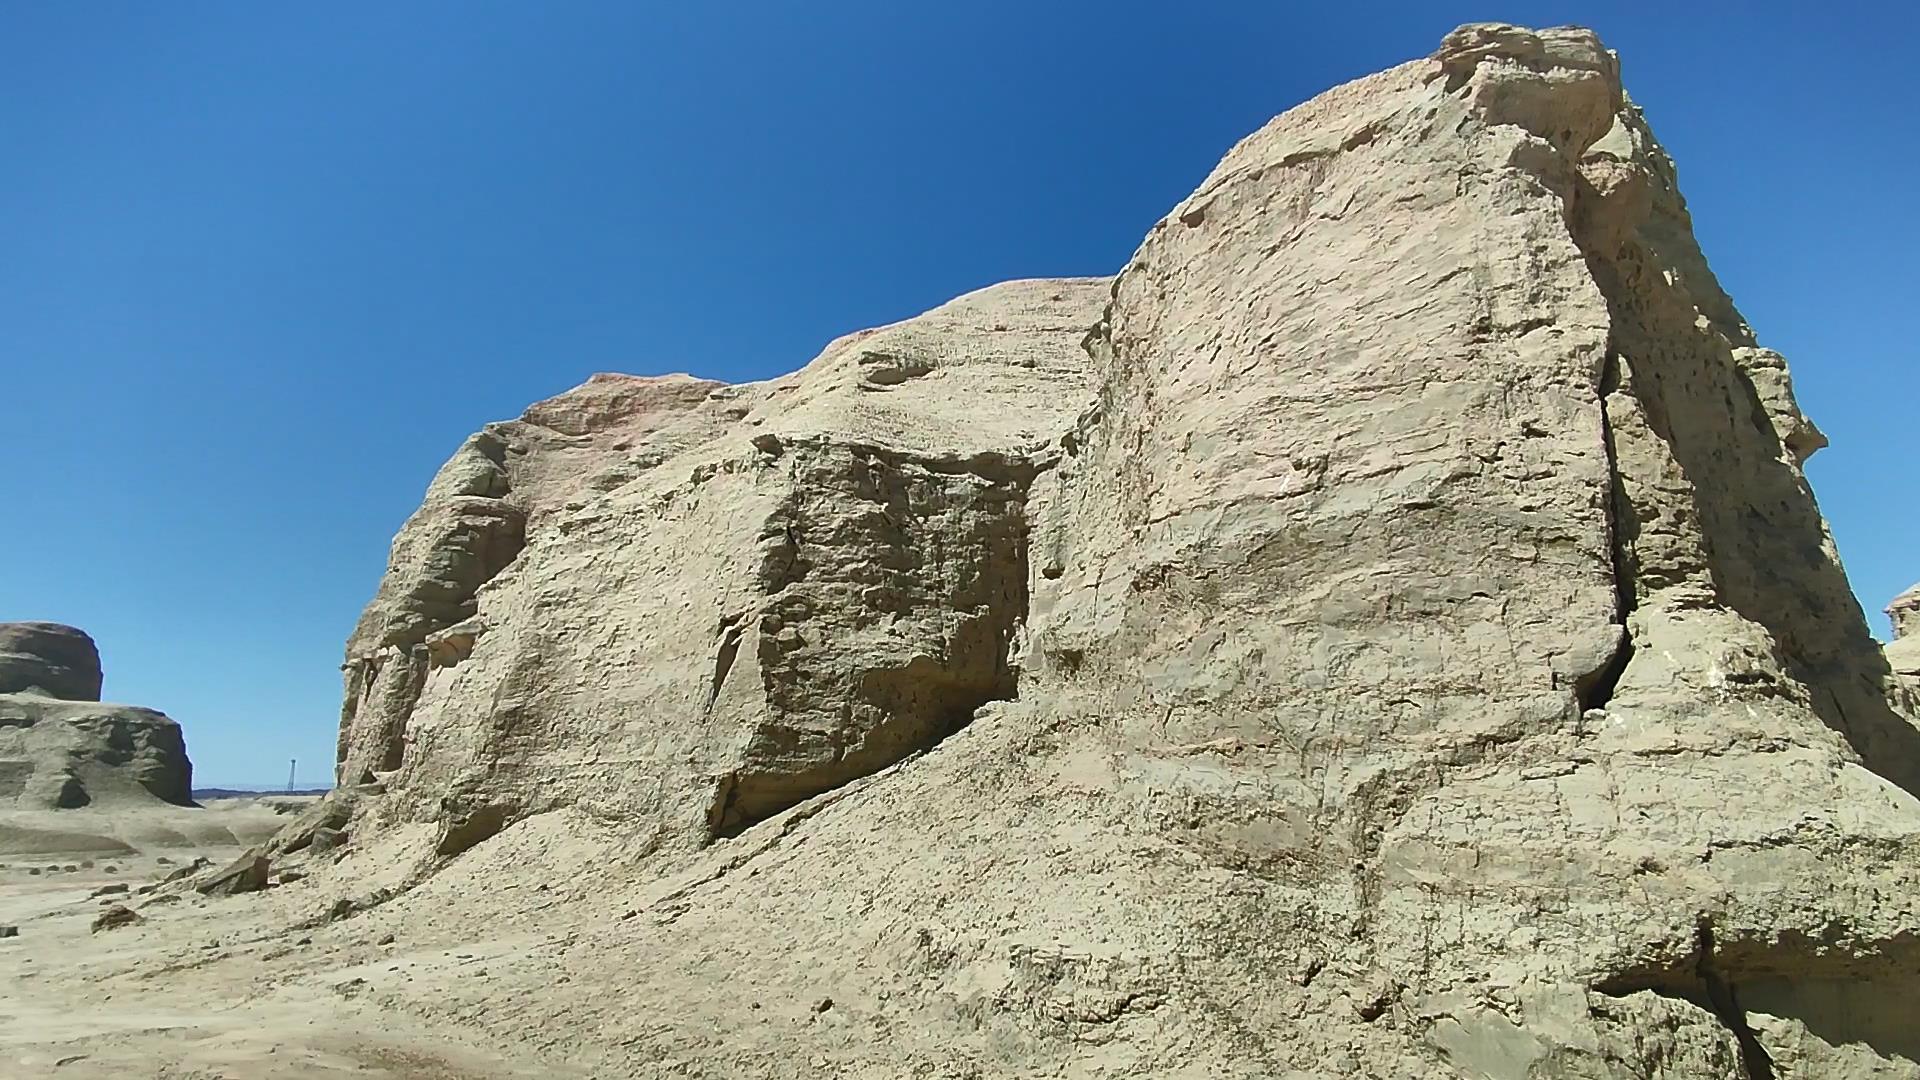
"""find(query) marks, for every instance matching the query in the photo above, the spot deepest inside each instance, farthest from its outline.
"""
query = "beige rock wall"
(1386, 631)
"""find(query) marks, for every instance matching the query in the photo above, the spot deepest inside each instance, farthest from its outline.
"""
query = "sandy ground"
(200, 988)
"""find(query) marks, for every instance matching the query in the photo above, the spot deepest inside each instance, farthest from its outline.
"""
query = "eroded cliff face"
(1385, 631)
(694, 605)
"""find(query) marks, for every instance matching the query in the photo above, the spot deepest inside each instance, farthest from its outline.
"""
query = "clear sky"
(263, 266)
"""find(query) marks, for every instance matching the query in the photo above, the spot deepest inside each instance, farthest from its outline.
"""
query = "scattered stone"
(117, 888)
(9, 931)
(115, 917)
(247, 873)
(200, 862)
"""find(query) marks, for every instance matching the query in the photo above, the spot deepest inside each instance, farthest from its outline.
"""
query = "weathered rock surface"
(250, 871)
(50, 660)
(61, 747)
(114, 917)
(1903, 653)
(748, 595)
(1385, 631)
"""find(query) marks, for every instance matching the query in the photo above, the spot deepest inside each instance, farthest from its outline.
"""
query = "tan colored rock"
(249, 872)
(114, 917)
(816, 578)
(1903, 653)
(49, 660)
(61, 747)
(1384, 632)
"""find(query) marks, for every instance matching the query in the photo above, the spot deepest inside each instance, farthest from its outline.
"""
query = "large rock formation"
(1385, 631)
(61, 747)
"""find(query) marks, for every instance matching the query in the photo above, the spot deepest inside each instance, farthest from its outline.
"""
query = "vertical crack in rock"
(1725, 1002)
(1595, 690)
(723, 659)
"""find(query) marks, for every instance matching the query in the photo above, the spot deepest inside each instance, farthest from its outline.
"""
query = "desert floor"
(200, 988)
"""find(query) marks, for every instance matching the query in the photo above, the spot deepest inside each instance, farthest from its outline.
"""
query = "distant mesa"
(1903, 652)
(61, 747)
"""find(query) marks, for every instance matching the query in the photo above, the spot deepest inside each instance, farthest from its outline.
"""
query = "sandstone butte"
(1384, 631)
(62, 748)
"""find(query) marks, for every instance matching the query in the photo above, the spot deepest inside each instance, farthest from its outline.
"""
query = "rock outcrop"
(1384, 631)
(49, 660)
(61, 747)
(1903, 653)
(747, 595)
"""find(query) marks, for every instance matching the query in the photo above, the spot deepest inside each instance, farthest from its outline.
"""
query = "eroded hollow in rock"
(463, 833)
(936, 551)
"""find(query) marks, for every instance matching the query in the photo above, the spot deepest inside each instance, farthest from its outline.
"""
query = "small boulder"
(248, 873)
(108, 890)
(115, 917)
(9, 931)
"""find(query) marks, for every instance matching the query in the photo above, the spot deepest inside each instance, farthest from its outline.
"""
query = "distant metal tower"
(291, 762)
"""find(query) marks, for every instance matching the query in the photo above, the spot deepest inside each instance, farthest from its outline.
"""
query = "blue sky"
(266, 265)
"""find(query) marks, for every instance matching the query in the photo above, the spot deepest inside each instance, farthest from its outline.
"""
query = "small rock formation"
(1385, 631)
(114, 917)
(61, 747)
(249, 872)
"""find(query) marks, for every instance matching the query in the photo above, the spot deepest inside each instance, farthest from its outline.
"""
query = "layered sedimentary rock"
(694, 605)
(61, 747)
(1384, 631)
(49, 660)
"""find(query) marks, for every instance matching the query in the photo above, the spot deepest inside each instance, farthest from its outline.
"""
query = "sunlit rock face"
(1385, 630)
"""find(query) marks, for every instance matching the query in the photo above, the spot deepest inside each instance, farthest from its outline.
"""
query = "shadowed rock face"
(50, 660)
(1386, 630)
(61, 747)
